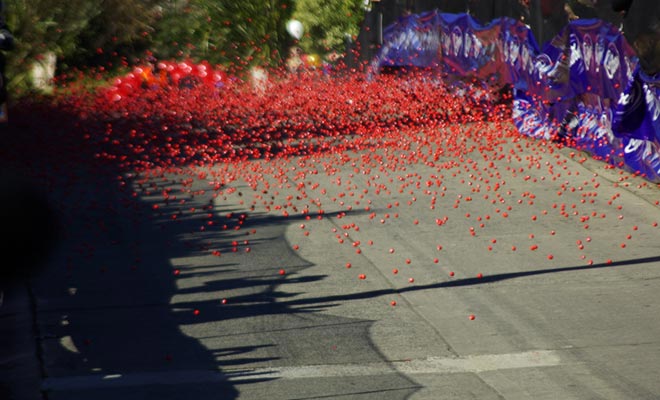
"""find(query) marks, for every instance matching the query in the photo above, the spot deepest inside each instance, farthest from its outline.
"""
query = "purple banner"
(415, 41)
(584, 87)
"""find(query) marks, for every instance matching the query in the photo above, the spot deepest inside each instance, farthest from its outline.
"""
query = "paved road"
(444, 267)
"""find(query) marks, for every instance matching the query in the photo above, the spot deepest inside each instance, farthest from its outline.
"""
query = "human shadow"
(131, 301)
(486, 279)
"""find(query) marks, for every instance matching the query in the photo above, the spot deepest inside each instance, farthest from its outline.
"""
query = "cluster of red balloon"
(167, 73)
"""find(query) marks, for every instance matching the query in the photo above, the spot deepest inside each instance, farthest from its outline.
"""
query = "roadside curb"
(19, 366)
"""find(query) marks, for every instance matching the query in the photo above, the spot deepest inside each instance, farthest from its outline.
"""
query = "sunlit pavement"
(512, 270)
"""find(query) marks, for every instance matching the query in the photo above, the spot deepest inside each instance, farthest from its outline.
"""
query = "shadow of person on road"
(31, 233)
(31, 229)
(130, 303)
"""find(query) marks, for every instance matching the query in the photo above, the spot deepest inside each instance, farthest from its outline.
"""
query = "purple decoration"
(584, 86)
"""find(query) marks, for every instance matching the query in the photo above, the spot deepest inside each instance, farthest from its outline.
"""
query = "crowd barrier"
(585, 86)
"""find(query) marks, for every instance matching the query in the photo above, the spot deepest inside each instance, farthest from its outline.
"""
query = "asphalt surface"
(522, 271)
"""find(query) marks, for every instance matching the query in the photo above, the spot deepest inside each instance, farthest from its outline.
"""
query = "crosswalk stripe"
(432, 365)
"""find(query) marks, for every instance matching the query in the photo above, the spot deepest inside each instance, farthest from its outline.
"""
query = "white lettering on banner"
(624, 99)
(592, 126)
(457, 36)
(576, 52)
(633, 145)
(649, 153)
(404, 40)
(397, 41)
(524, 57)
(430, 41)
(652, 102)
(543, 65)
(630, 65)
(605, 126)
(478, 48)
(594, 119)
(467, 44)
(529, 59)
(506, 45)
(446, 43)
(514, 51)
(612, 61)
(394, 42)
(410, 37)
(600, 51)
(530, 122)
(588, 52)
(436, 40)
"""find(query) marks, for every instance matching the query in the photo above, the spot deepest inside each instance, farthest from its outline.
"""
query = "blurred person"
(6, 43)
(621, 6)
(522, 9)
(553, 19)
(295, 61)
(259, 79)
(30, 227)
(6, 38)
(584, 9)
(331, 62)
(641, 26)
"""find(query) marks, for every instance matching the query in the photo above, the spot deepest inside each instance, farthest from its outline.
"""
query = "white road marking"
(67, 343)
(432, 365)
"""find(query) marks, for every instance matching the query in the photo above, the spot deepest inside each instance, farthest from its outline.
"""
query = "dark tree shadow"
(115, 315)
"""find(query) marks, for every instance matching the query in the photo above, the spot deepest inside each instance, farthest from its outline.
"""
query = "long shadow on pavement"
(486, 279)
(132, 305)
